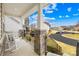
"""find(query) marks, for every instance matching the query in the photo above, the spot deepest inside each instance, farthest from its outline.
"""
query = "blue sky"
(60, 14)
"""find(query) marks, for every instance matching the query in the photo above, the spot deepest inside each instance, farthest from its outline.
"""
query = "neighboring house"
(74, 27)
(63, 28)
(43, 26)
(67, 28)
(77, 27)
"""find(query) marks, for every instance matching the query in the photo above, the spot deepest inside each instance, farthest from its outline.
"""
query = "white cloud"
(48, 10)
(56, 9)
(34, 16)
(54, 6)
(67, 16)
(34, 22)
(60, 16)
(43, 15)
(30, 18)
(75, 14)
(51, 10)
(78, 9)
(63, 16)
(69, 9)
(48, 18)
(47, 7)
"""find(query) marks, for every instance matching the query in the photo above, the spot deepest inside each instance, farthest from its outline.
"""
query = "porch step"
(65, 54)
(52, 54)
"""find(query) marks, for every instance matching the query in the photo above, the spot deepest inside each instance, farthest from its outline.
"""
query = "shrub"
(53, 47)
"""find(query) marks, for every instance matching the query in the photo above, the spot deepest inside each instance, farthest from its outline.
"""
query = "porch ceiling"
(17, 9)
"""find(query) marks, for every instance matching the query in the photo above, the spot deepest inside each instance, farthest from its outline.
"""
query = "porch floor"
(23, 48)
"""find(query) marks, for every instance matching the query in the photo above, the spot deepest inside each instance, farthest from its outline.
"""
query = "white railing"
(2, 45)
(7, 43)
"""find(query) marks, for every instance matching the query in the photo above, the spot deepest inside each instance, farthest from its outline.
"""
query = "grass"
(65, 48)
(71, 50)
(72, 36)
(53, 47)
(68, 49)
(52, 32)
(27, 37)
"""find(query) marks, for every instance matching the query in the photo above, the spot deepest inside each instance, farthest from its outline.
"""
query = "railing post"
(2, 20)
(77, 49)
(3, 45)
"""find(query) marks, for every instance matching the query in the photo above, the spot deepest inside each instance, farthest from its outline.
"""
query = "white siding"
(44, 26)
(12, 26)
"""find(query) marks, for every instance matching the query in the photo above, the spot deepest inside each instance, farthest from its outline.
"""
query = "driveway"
(65, 40)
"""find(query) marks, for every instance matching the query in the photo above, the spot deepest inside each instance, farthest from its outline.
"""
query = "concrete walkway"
(23, 48)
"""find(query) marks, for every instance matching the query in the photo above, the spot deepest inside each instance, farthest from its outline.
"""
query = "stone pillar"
(42, 40)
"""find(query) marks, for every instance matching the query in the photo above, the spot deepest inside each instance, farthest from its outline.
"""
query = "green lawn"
(68, 49)
(73, 36)
(53, 47)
